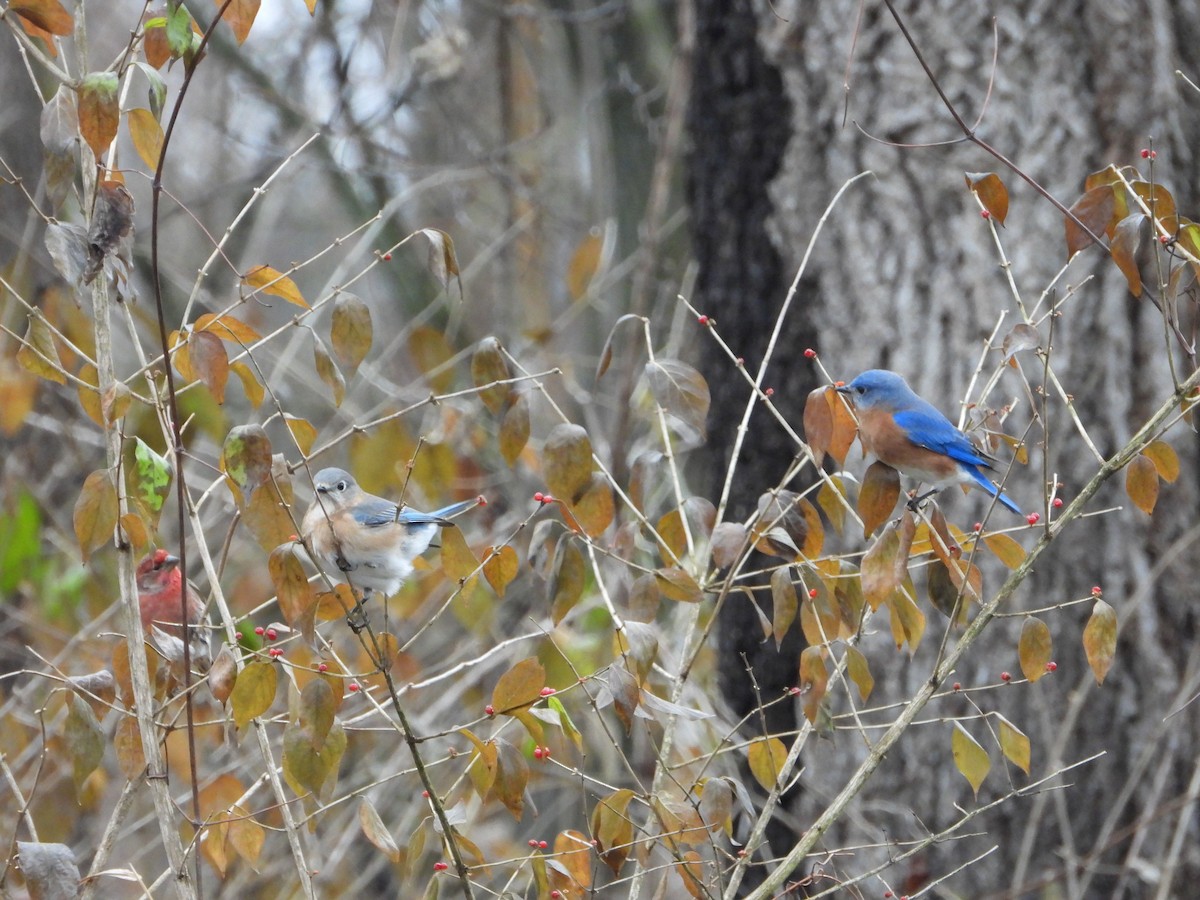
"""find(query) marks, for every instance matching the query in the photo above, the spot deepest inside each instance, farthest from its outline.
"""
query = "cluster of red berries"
(538, 845)
(541, 752)
(1149, 154)
(543, 498)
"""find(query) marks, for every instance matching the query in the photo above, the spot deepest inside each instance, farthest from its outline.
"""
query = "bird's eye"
(341, 485)
(860, 390)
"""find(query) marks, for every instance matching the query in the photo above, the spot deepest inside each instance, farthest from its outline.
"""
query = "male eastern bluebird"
(911, 436)
(369, 541)
(159, 584)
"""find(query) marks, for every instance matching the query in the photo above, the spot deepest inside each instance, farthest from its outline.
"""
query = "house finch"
(159, 582)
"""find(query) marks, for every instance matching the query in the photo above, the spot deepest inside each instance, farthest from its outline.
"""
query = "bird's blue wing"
(374, 512)
(930, 429)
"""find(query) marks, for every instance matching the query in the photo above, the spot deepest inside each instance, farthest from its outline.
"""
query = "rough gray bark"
(907, 278)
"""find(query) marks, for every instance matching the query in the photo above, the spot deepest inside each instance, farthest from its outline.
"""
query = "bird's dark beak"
(843, 389)
(169, 562)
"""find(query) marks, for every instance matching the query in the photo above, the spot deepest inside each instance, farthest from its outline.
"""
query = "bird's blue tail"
(454, 509)
(987, 485)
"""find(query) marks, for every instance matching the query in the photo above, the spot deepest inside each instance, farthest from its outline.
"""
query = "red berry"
(1164, 239)
(241, 637)
(353, 687)
(1052, 666)
(838, 384)
(1154, 154)
(978, 527)
(539, 496)
(425, 794)
(888, 894)
(703, 320)
(323, 667)
(481, 500)
(985, 214)
(537, 752)
(387, 257)
(532, 842)
(812, 593)
(489, 710)
(555, 895)
(810, 352)
(546, 691)
(1033, 518)
(542, 845)
(259, 630)
(958, 685)
(1145, 154)
(1005, 676)
(794, 691)
(546, 752)
(1058, 502)
(440, 867)
(769, 391)
(272, 634)
(1096, 592)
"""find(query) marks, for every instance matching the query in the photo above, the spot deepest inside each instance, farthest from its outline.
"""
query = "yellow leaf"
(95, 515)
(970, 758)
(1034, 648)
(147, 136)
(767, 756)
(272, 281)
(584, 263)
(1014, 744)
(1005, 549)
(1100, 639)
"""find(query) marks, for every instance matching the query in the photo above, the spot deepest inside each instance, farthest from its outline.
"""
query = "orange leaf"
(520, 687)
(1141, 483)
(878, 495)
(48, 15)
(99, 112)
(991, 193)
(1166, 461)
(240, 16)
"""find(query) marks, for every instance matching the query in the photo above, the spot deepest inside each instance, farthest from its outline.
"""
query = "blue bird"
(913, 437)
(368, 541)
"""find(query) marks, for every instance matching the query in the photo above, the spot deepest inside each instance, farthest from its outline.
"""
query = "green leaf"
(152, 484)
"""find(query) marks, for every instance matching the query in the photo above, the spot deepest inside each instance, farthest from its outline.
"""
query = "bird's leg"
(342, 563)
(357, 617)
(915, 500)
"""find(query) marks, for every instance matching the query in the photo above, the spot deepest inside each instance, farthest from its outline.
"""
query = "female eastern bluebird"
(911, 436)
(369, 541)
(159, 583)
